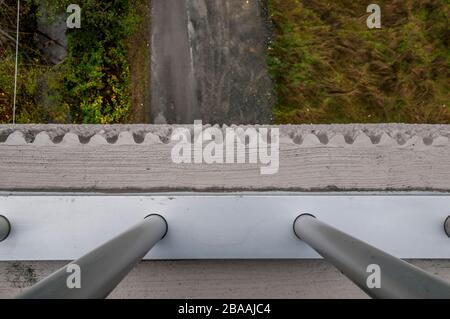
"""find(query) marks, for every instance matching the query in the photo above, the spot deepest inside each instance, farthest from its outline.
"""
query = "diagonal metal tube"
(101, 270)
(398, 279)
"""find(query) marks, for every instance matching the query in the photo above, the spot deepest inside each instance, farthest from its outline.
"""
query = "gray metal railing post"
(5, 228)
(101, 270)
(447, 226)
(398, 279)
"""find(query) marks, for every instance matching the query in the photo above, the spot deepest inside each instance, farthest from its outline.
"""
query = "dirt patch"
(139, 55)
(209, 62)
(229, 42)
(21, 275)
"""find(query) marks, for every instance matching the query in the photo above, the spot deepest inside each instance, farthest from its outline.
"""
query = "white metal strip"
(243, 226)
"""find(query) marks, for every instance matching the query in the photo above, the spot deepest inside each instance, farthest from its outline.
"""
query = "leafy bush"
(92, 83)
(96, 71)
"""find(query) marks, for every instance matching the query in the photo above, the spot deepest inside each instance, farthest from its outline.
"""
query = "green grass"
(328, 67)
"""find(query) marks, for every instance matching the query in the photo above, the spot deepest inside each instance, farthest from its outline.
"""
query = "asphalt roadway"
(209, 63)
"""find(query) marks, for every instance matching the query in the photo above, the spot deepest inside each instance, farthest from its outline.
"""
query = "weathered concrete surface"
(216, 279)
(138, 158)
(209, 62)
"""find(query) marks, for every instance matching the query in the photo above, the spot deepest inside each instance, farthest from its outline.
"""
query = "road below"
(209, 62)
(173, 85)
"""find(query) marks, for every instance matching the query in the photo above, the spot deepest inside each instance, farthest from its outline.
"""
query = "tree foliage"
(92, 84)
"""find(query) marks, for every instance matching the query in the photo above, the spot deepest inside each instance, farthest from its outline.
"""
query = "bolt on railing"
(447, 226)
(5, 228)
(360, 262)
(96, 274)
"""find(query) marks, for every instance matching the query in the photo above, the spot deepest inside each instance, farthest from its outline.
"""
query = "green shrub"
(96, 71)
(92, 83)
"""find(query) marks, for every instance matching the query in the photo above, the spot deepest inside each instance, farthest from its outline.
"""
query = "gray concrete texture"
(398, 134)
(285, 279)
(138, 158)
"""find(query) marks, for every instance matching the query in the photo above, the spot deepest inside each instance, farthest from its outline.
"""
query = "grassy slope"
(138, 48)
(328, 67)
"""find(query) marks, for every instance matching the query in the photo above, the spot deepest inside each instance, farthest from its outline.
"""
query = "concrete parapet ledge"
(137, 158)
(328, 135)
